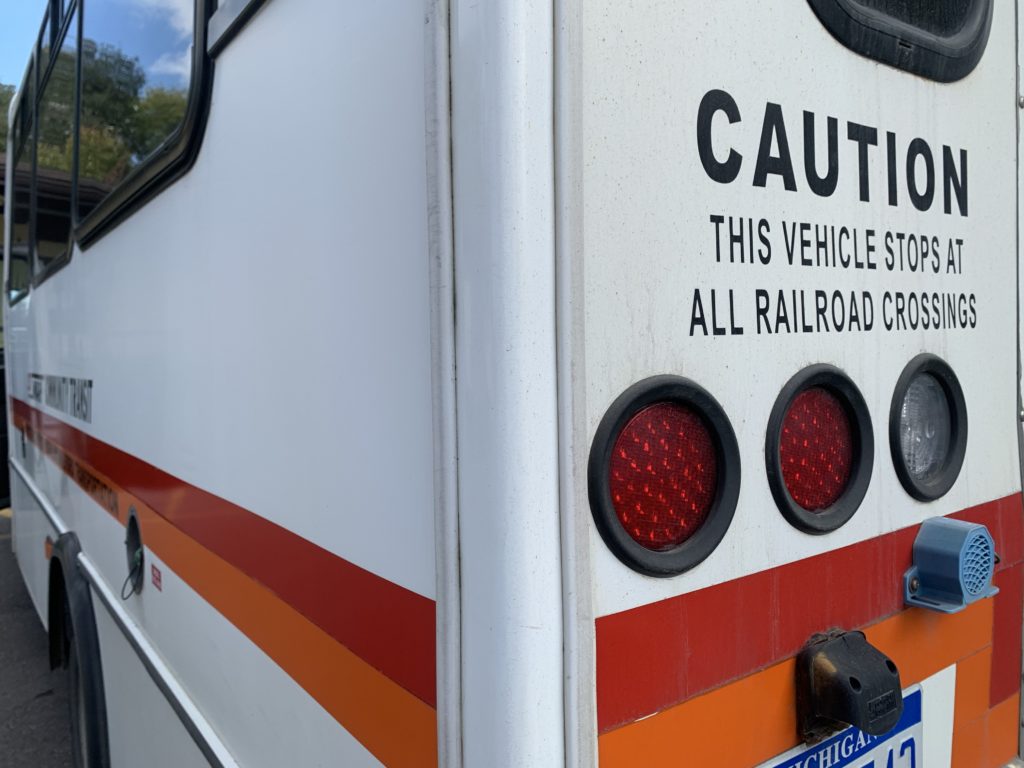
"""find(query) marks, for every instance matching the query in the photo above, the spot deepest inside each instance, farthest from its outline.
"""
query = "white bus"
(527, 383)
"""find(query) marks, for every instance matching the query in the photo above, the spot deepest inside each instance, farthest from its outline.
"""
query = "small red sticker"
(158, 579)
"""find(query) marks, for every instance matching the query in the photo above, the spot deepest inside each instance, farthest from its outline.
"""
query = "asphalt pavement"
(34, 730)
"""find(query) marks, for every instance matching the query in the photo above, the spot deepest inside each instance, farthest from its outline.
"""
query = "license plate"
(899, 748)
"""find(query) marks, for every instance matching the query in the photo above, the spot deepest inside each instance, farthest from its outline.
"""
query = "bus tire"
(74, 644)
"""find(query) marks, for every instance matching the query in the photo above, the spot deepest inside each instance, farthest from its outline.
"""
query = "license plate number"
(899, 748)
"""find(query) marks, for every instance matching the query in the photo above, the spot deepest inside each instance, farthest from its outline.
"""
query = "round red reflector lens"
(816, 449)
(663, 475)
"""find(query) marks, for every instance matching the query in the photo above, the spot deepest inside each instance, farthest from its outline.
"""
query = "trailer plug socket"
(842, 680)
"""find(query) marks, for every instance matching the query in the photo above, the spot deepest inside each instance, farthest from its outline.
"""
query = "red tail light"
(816, 448)
(819, 449)
(663, 475)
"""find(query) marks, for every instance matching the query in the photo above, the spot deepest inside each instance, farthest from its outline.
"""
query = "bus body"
(526, 383)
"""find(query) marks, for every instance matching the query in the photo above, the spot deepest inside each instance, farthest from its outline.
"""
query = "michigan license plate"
(899, 748)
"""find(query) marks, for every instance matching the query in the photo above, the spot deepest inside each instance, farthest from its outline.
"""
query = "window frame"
(39, 276)
(168, 162)
(26, 99)
(884, 38)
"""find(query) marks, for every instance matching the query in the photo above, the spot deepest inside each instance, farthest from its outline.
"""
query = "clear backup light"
(924, 427)
(928, 427)
(663, 475)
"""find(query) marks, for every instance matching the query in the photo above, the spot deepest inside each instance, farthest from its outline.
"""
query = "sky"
(21, 22)
(162, 47)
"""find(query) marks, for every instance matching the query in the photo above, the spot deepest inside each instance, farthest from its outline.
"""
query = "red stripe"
(388, 626)
(657, 655)
(1006, 633)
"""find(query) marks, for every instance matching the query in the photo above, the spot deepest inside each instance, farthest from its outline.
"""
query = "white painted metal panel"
(938, 696)
(29, 529)
(636, 241)
(262, 330)
(133, 705)
(649, 243)
(505, 349)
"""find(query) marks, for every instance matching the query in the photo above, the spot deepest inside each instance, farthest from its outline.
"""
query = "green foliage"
(159, 113)
(55, 156)
(6, 94)
(122, 122)
(102, 155)
(111, 85)
(55, 115)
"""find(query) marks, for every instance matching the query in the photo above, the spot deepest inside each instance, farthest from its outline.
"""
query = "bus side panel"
(134, 704)
(1020, 312)
(30, 532)
(258, 338)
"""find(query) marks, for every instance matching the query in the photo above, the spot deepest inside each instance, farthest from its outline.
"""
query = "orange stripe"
(388, 626)
(393, 724)
(990, 740)
(1003, 731)
(972, 683)
(924, 642)
(711, 636)
(396, 726)
(735, 726)
(762, 706)
(969, 745)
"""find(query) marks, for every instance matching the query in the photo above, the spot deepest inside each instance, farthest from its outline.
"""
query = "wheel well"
(57, 615)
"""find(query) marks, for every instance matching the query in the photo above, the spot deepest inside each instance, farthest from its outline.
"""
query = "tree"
(111, 85)
(160, 111)
(6, 94)
(121, 121)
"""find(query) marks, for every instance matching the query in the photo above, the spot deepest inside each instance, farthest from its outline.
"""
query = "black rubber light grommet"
(939, 483)
(665, 389)
(839, 385)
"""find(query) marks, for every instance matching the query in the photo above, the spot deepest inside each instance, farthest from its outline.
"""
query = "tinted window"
(136, 73)
(43, 43)
(940, 39)
(940, 17)
(54, 145)
(18, 275)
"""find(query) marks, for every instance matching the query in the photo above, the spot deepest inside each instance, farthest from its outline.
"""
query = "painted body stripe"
(703, 730)
(706, 638)
(365, 616)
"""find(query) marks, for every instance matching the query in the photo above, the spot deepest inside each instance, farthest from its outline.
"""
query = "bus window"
(43, 44)
(54, 143)
(939, 39)
(939, 17)
(136, 74)
(21, 126)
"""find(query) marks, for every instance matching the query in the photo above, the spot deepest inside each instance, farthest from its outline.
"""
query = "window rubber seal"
(884, 38)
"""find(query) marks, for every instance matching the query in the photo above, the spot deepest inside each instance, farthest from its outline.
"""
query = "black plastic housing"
(842, 680)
